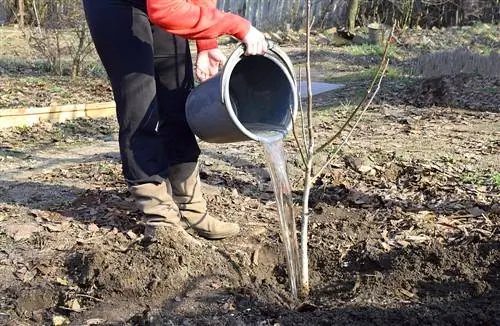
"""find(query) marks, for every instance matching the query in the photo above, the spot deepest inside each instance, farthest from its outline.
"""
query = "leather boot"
(186, 190)
(160, 211)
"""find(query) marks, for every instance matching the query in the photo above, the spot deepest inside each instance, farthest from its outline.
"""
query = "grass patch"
(371, 50)
(39, 67)
(482, 179)
(364, 77)
(474, 178)
(495, 179)
(14, 66)
(350, 77)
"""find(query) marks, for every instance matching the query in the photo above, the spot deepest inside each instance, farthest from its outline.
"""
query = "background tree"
(21, 12)
(352, 13)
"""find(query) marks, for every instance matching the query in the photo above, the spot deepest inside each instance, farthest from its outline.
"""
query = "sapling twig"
(308, 142)
(365, 107)
(294, 130)
(383, 63)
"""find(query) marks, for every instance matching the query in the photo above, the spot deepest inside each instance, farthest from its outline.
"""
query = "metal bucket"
(252, 98)
(378, 33)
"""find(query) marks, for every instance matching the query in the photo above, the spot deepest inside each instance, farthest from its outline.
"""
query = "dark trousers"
(151, 75)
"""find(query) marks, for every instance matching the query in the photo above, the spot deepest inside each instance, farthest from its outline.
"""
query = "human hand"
(208, 63)
(255, 42)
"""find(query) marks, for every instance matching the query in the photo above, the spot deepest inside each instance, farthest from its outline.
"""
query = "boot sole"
(218, 236)
(208, 235)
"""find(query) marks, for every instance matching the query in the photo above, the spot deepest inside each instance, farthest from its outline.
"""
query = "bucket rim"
(284, 64)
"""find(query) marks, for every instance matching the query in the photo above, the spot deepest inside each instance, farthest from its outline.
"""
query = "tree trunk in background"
(21, 13)
(352, 13)
(471, 10)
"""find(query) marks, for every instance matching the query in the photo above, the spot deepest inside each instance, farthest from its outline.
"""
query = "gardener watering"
(142, 45)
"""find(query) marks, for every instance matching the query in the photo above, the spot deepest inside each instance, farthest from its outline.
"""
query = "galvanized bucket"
(378, 33)
(252, 98)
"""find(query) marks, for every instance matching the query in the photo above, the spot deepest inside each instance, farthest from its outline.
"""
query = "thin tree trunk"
(22, 12)
(352, 13)
(304, 238)
(304, 232)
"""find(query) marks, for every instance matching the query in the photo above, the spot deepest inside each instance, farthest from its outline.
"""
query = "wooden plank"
(60, 113)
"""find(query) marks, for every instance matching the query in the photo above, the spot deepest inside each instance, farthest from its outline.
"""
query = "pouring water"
(276, 162)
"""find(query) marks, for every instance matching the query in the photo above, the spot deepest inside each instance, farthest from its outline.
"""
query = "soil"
(404, 228)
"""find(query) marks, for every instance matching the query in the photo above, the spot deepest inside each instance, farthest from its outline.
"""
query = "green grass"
(371, 50)
(13, 66)
(37, 67)
(495, 179)
(482, 179)
(490, 89)
(358, 82)
(352, 76)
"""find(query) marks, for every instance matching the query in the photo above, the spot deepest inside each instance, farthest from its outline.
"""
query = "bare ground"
(405, 228)
(413, 239)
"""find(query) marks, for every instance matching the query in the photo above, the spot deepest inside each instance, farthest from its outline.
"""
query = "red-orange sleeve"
(202, 45)
(196, 21)
(205, 3)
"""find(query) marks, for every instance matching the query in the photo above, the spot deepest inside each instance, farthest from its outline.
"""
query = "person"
(144, 48)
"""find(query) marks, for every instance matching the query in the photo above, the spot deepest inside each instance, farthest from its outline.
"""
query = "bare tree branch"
(365, 107)
(365, 98)
(294, 129)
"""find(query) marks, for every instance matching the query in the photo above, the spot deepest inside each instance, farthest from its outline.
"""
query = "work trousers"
(151, 74)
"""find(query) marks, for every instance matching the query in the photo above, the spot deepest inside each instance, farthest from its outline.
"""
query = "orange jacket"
(196, 19)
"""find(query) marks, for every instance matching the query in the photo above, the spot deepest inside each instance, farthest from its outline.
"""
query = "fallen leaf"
(417, 238)
(59, 320)
(21, 231)
(131, 235)
(403, 243)
(37, 213)
(38, 316)
(74, 305)
(93, 228)
(385, 246)
(407, 293)
(46, 270)
(29, 276)
(476, 211)
(62, 281)
(364, 169)
(94, 321)
(426, 216)
(52, 227)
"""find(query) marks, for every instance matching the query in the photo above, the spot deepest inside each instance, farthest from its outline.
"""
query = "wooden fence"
(280, 14)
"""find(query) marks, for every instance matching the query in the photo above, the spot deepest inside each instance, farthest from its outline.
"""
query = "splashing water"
(276, 161)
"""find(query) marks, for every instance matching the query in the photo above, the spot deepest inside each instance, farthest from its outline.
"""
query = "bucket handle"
(235, 56)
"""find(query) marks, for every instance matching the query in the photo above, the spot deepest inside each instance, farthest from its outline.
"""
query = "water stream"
(276, 161)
